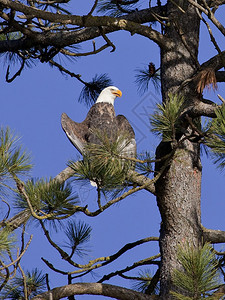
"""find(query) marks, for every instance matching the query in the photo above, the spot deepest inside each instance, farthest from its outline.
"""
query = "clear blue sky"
(32, 105)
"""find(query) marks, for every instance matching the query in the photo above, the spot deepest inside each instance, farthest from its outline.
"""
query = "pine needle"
(13, 160)
(199, 273)
(115, 8)
(145, 76)
(206, 79)
(7, 241)
(102, 163)
(215, 138)
(47, 196)
(166, 119)
(93, 88)
(35, 283)
(78, 234)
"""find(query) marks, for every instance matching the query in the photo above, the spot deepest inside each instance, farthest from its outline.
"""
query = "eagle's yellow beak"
(118, 93)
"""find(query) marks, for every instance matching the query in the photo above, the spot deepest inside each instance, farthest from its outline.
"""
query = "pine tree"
(47, 31)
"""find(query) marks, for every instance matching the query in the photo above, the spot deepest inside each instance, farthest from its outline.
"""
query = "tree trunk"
(179, 188)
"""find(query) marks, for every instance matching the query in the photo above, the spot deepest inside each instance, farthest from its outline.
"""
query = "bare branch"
(216, 62)
(141, 180)
(108, 259)
(64, 175)
(213, 236)
(5, 277)
(221, 99)
(62, 69)
(130, 22)
(63, 254)
(107, 290)
(108, 40)
(95, 263)
(143, 262)
(116, 200)
(16, 74)
(7, 214)
(24, 283)
(209, 14)
(213, 40)
(52, 267)
(93, 8)
(17, 220)
(215, 3)
(95, 51)
(220, 76)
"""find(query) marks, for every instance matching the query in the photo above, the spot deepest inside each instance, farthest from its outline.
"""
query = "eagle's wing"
(75, 132)
(125, 127)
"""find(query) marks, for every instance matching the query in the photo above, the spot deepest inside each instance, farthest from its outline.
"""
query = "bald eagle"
(101, 117)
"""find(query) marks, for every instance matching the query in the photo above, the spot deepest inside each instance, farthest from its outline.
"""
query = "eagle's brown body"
(101, 120)
(101, 117)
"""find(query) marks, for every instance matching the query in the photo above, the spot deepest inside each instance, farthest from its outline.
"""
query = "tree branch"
(64, 175)
(209, 14)
(23, 216)
(107, 290)
(141, 180)
(216, 62)
(215, 3)
(202, 108)
(113, 201)
(108, 259)
(213, 236)
(220, 76)
(17, 220)
(130, 22)
(143, 262)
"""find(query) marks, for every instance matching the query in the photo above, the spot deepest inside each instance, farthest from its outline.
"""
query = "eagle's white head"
(109, 94)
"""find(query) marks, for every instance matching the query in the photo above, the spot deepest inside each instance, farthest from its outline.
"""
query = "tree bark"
(179, 188)
(107, 290)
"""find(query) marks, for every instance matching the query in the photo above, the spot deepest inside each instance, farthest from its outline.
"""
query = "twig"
(52, 267)
(47, 282)
(95, 51)
(70, 282)
(210, 15)
(24, 283)
(110, 43)
(108, 259)
(94, 264)
(178, 6)
(99, 197)
(194, 128)
(221, 98)
(147, 261)
(16, 74)
(63, 254)
(157, 17)
(93, 8)
(20, 256)
(62, 69)
(155, 279)
(210, 32)
(6, 278)
(8, 212)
